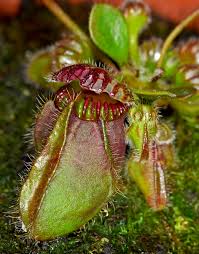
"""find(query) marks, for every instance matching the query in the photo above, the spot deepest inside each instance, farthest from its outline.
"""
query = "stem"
(174, 34)
(66, 20)
(134, 49)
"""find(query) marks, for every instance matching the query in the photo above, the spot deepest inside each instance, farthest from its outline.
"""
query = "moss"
(131, 226)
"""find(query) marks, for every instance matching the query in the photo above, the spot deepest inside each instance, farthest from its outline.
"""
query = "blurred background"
(173, 10)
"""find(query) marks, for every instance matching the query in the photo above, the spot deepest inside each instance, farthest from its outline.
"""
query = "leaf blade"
(109, 32)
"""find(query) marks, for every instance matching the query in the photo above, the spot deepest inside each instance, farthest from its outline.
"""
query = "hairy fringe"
(41, 99)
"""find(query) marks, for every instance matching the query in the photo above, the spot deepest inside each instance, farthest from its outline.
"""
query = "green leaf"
(109, 32)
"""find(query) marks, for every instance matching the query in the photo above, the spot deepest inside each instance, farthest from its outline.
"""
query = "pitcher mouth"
(95, 79)
(89, 105)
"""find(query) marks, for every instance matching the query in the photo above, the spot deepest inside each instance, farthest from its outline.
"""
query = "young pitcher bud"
(146, 164)
(188, 51)
(137, 16)
(69, 50)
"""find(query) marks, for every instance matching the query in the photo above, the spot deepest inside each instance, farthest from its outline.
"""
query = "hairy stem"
(174, 34)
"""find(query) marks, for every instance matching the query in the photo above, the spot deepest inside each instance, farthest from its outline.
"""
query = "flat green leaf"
(108, 30)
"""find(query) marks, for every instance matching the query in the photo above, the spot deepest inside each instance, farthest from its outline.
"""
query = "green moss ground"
(131, 226)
